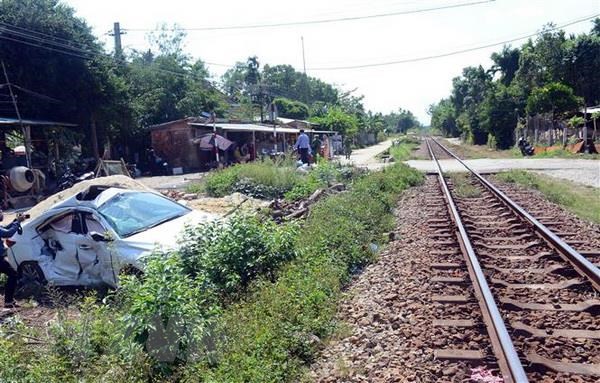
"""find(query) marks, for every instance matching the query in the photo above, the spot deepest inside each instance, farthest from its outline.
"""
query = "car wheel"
(31, 280)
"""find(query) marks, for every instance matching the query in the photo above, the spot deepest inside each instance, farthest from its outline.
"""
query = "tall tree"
(468, 93)
(506, 63)
(554, 98)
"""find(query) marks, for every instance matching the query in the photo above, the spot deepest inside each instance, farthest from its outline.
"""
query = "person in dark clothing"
(316, 147)
(5, 267)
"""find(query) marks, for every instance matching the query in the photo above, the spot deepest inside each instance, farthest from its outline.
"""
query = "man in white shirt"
(303, 146)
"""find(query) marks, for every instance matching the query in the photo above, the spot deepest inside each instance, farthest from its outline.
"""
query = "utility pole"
(305, 89)
(303, 57)
(24, 130)
(116, 32)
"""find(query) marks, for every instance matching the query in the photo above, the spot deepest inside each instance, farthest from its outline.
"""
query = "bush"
(91, 346)
(168, 312)
(229, 255)
(263, 179)
(220, 183)
(323, 175)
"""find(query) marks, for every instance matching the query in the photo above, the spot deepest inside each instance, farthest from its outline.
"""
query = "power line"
(45, 47)
(431, 57)
(42, 34)
(88, 55)
(320, 21)
(361, 66)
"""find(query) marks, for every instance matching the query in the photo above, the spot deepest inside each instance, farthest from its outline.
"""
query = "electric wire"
(452, 53)
(321, 21)
(42, 34)
(89, 55)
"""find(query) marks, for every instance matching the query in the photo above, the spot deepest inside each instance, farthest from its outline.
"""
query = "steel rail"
(583, 266)
(504, 349)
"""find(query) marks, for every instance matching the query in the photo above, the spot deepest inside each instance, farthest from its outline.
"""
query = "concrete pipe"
(21, 178)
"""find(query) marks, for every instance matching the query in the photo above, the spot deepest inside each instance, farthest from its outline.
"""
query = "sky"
(405, 36)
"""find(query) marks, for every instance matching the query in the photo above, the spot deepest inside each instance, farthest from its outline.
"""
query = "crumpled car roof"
(95, 203)
(61, 198)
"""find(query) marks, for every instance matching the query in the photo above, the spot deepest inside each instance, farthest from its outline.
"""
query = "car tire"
(31, 280)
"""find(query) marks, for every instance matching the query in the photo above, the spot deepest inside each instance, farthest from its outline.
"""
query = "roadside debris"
(282, 210)
(220, 206)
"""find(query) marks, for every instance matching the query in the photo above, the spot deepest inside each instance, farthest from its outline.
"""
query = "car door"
(95, 255)
(63, 267)
(77, 258)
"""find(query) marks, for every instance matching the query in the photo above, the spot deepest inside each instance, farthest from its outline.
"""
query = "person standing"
(5, 267)
(348, 147)
(316, 147)
(303, 146)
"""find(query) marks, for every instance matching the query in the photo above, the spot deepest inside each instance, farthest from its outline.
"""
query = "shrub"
(228, 255)
(279, 178)
(220, 183)
(167, 311)
(303, 189)
(262, 179)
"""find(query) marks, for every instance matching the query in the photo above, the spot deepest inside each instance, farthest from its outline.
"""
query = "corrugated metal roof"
(247, 128)
(290, 120)
(591, 109)
(15, 121)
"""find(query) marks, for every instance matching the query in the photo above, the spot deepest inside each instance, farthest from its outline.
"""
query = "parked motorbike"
(525, 147)
(68, 179)
(157, 165)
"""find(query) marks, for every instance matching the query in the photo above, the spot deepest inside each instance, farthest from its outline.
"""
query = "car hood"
(166, 236)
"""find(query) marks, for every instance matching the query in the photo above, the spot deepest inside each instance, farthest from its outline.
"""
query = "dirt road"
(367, 156)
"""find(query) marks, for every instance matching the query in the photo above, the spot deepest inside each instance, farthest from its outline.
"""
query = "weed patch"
(581, 200)
(463, 187)
(402, 148)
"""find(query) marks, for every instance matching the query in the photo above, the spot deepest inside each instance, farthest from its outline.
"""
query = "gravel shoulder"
(385, 320)
(386, 316)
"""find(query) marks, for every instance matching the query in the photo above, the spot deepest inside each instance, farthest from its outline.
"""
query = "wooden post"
(94, 137)
(254, 144)
(536, 123)
(586, 148)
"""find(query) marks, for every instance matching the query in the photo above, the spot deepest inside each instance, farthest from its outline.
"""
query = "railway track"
(526, 296)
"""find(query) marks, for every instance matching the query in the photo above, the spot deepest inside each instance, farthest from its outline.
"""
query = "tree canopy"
(553, 73)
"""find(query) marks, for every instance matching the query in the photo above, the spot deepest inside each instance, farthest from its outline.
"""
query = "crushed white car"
(89, 238)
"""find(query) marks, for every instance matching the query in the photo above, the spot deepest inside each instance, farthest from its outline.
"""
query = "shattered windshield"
(131, 213)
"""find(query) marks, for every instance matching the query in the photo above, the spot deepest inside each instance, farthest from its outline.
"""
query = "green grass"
(403, 147)
(268, 180)
(261, 179)
(463, 188)
(561, 153)
(583, 201)
(276, 332)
